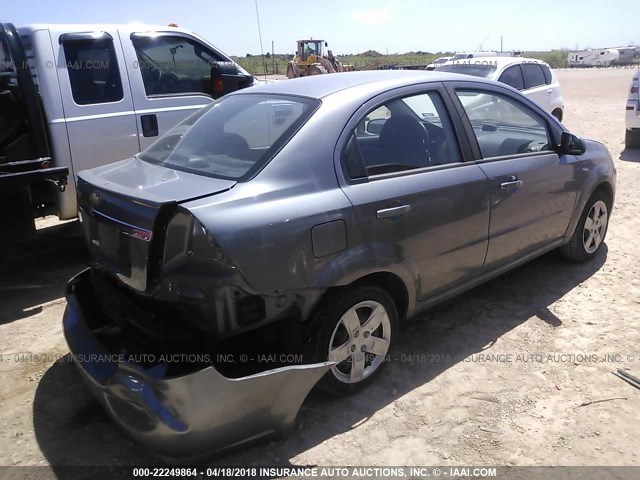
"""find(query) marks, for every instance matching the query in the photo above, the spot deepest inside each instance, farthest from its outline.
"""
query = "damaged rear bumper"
(190, 416)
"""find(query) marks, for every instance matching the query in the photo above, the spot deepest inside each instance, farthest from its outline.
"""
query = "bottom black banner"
(313, 472)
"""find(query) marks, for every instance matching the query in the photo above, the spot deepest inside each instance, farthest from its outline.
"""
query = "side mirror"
(374, 127)
(571, 145)
(221, 73)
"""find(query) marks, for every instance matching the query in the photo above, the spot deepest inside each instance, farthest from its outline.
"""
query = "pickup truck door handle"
(149, 125)
(512, 182)
(393, 211)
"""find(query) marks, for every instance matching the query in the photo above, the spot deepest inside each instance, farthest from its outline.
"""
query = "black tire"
(576, 250)
(558, 114)
(314, 71)
(328, 322)
(632, 138)
(291, 71)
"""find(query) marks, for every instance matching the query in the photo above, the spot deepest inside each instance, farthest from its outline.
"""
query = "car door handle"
(149, 125)
(393, 211)
(512, 182)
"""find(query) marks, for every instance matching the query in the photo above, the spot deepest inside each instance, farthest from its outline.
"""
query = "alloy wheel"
(595, 226)
(360, 341)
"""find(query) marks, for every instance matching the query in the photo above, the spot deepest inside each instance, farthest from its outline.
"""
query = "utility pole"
(500, 43)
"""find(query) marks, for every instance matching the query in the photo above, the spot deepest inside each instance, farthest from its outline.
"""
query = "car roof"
(499, 61)
(320, 86)
(514, 60)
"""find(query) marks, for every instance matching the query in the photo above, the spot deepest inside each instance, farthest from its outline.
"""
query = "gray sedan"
(274, 241)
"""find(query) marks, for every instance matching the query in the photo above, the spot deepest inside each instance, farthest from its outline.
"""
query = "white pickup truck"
(74, 97)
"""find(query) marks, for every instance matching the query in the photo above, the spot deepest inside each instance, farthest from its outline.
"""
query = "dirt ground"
(497, 376)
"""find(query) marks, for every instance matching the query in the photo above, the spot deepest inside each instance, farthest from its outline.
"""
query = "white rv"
(628, 55)
(593, 58)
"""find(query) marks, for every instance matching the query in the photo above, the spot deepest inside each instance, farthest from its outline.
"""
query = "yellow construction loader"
(310, 59)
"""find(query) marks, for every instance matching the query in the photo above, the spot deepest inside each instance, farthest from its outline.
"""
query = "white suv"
(532, 77)
(632, 117)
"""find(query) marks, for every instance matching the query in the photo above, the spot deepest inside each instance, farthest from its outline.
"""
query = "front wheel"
(315, 70)
(292, 71)
(590, 230)
(356, 330)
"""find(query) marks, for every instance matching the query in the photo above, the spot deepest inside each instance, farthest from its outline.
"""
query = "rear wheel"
(632, 138)
(558, 114)
(591, 229)
(356, 330)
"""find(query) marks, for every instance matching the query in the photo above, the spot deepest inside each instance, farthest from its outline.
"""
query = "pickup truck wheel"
(590, 231)
(356, 330)
(632, 138)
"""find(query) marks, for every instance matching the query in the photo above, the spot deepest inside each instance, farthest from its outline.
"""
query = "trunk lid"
(124, 208)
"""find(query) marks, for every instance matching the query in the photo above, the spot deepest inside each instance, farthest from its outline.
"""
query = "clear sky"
(393, 26)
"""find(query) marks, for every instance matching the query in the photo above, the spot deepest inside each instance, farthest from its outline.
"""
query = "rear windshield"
(477, 69)
(232, 138)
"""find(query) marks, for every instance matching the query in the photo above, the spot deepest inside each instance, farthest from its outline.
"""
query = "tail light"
(633, 93)
(188, 244)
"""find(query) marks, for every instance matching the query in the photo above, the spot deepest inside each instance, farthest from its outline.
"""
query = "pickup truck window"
(93, 71)
(172, 64)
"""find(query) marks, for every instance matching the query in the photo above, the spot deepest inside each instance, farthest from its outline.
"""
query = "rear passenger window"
(403, 134)
(547, 74)
(512, 76)
(93, 71)
(533, 75)
(174, 65)
(502, 125)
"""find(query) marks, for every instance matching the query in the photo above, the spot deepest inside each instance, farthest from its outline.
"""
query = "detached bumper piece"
(186, 417)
